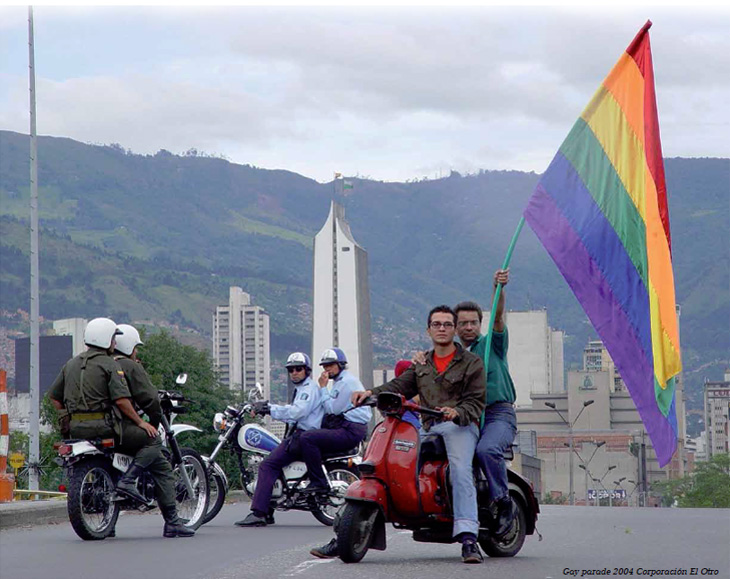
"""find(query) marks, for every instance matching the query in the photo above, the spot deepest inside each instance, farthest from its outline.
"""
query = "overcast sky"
(390, 94)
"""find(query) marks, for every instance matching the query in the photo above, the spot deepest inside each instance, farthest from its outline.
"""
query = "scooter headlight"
(219, 421)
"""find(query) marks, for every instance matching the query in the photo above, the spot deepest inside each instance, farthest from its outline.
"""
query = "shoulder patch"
(304, 396)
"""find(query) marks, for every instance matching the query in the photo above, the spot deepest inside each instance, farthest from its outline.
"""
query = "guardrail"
(49, 494)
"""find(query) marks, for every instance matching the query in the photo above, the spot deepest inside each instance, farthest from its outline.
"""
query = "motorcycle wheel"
(191, 509)
(341, 477)
(510, 544)
(91, 511)
(355, 531)
(217, 497)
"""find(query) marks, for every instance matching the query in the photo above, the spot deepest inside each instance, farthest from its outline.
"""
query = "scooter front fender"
(369, 490)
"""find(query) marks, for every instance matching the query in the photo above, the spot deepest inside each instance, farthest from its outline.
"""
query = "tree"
(164, 358)
(707, 487)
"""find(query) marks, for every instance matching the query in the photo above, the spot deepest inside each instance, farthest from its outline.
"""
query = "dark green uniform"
(91, 407)
(149, 450)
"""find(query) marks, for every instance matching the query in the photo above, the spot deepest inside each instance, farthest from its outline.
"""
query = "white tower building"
(241, 347)
(342, 296)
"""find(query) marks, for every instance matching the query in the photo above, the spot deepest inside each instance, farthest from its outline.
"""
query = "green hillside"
(161, 237)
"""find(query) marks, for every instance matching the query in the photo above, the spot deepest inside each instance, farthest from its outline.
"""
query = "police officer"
(302, 415)
(92, 395)
(148, 450)
(340, 431)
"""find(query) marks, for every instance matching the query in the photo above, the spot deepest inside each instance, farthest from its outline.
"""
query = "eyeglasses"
(291, 369)
(469, 323)
(445, 325)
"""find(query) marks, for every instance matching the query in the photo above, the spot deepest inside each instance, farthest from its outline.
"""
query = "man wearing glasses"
(452, 381)
(500, 420)
(303, 414)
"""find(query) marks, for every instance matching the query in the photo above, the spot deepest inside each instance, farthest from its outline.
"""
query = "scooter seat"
(432, 448)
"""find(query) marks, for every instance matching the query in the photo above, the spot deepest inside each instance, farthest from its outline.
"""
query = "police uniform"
(303, 414)
(135, 440)
(349, 429)
(91, 407)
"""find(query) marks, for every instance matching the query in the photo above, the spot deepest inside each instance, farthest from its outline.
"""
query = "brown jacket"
(461, 386)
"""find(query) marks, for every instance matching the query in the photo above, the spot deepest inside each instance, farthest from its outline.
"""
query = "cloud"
(385, 92)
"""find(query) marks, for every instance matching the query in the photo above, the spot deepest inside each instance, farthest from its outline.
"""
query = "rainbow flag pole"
(600, 210)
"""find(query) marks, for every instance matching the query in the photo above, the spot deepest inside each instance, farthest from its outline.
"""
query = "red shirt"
(442, 363)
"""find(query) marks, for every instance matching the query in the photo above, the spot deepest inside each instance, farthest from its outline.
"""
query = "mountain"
(161, 237)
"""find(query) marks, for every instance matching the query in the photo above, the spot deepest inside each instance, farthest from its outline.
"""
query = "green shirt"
(500, 387)
(143, 392)
(103, 382)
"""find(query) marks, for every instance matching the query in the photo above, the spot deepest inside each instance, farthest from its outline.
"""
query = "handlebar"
(393, 403)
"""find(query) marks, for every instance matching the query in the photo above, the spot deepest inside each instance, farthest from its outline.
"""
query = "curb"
(30, 513)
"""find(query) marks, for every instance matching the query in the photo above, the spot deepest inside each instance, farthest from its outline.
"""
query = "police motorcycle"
(251, 443)
(405, 481)
(93, 467)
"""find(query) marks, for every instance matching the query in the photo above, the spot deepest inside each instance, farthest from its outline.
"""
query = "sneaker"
(252, 520)
(470, 553)
(328, 551)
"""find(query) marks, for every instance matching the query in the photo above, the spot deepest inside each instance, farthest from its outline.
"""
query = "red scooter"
(405, 481)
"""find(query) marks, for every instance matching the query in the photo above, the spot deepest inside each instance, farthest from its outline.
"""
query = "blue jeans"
(460, 442)
(498, 433)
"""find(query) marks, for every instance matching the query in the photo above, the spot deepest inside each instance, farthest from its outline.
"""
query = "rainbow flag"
(601, 212)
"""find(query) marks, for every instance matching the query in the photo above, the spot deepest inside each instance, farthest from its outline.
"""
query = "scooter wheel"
(355, 531)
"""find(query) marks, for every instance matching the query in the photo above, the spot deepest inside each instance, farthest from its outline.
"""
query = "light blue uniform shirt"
(306, 411)
(337, 400)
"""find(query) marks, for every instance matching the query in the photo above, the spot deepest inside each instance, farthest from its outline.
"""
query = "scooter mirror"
(181, 379)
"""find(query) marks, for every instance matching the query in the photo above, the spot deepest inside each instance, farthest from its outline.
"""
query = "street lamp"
(617, 483)
(570, 440)
(585, 463)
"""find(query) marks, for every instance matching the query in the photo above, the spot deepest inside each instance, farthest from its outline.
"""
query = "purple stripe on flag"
(600, 304)
(563, 183)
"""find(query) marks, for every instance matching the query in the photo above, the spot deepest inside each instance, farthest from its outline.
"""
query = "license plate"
(121, 461)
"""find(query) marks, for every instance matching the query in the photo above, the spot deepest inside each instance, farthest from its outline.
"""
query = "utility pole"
(34, 454)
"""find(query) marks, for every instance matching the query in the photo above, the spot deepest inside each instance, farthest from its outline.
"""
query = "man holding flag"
(500, 421)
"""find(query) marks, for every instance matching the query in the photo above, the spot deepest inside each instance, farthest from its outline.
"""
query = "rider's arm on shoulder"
(405, 384)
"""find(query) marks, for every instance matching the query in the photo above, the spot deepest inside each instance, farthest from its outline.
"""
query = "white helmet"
(129, 340)
(99, 332)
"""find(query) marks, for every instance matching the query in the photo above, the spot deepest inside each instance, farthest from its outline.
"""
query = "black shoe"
(270, 518)
(316, 489)
(127, 485)
(470, 553)
(177, 530)
(328, 551)
(505, 517)
(252, 520)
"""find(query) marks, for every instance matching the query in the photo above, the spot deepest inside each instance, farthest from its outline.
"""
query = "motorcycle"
(405, 481)
(251, 443)
(93, 467)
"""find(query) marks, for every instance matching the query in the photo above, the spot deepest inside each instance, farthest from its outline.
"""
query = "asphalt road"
(575, 540)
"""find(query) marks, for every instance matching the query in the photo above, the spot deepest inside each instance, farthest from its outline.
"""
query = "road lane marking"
(305, 566)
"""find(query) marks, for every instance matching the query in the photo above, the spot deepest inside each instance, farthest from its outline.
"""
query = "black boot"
(253, 520)
(505, 516)
(270, 517)
(127, 485)
(173, 525)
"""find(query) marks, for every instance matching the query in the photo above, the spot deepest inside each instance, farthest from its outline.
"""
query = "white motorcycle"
(251, 443)
(93, 468)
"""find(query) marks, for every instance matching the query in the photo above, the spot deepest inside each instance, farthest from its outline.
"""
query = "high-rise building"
(342, 296)
(717, 416)
(74, 327)
(535, 354)
(241, 343)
